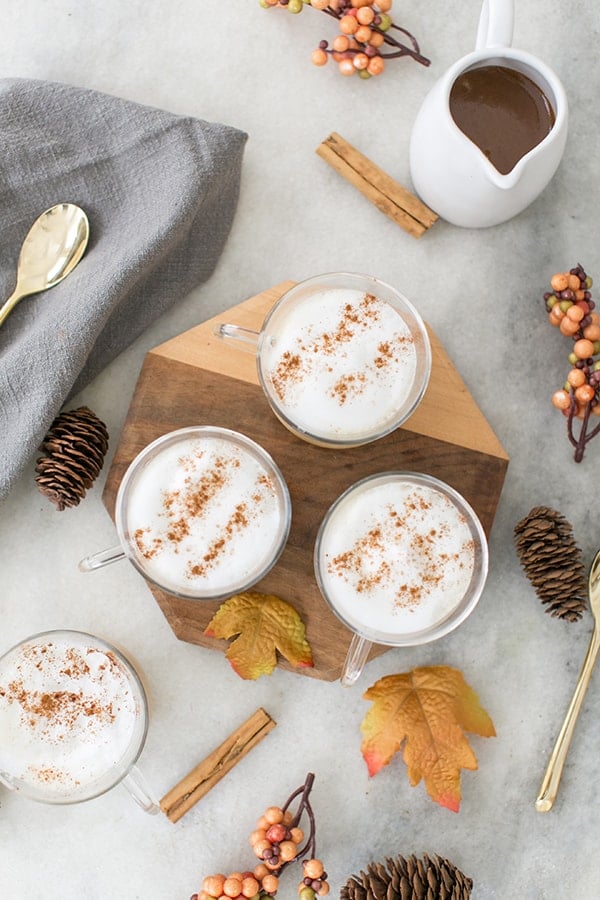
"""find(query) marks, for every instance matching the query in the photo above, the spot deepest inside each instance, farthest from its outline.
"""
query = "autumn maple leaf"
(428, 710)
(264, 624)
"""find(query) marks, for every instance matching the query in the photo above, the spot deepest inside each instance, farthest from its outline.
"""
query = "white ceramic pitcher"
(449, 172)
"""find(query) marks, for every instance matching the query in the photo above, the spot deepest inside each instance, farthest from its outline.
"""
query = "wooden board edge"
(435, 417)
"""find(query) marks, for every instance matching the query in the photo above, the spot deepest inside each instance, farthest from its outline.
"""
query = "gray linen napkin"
(160, 191)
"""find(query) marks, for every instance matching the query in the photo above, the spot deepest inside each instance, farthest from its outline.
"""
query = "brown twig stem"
(580, 442)
(390, 40)
(304, 806)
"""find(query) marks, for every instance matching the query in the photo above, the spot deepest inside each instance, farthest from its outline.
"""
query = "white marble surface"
(480, 290)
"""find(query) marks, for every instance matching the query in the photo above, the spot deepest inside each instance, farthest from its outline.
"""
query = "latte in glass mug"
(73, 717)
(401, 558)
(343, 359)
(202, 512)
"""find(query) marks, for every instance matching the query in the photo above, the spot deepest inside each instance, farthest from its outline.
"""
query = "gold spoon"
(54, 245)
(549, 788)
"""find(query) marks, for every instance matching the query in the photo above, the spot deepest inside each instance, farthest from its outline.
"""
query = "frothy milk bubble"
(68, 715)
(341, 364)
(396, 558)
(205, 516)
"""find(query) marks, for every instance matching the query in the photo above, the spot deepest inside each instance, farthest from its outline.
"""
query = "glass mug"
(201, 512)
(343, 359)
(401, 559)
(73, 720)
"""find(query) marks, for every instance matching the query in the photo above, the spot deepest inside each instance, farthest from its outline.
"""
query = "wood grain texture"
(447, 412)
(196, 379)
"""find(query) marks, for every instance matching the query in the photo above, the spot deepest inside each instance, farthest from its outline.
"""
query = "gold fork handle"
(549, 788)
(10, 304)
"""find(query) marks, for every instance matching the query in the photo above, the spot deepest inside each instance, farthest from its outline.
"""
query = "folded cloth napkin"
(160, 191)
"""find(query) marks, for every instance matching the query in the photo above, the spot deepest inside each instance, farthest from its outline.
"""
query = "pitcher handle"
(496, 23)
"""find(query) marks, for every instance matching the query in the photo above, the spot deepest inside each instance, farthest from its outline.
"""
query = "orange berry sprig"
(276, 841)
(571, 309)
(365, 32)
(314, 884)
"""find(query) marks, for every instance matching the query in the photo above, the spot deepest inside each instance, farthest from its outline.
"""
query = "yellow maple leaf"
(262, 625)
(428, 711)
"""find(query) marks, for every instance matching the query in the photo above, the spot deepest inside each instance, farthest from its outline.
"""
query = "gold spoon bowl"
(54, 245)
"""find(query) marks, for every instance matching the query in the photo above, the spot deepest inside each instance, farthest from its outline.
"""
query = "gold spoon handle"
(10, 304)
(549, 788)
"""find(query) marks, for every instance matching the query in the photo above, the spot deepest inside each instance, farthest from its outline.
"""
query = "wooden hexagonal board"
(197, 379)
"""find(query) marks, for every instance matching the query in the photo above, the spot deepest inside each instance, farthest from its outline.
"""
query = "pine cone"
(430, 878)
(74, 450)
(552, 562)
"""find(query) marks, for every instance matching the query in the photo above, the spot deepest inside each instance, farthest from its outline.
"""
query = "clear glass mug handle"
(102, 558)
(136, 786)
(236, 335)
(6, 782)
(134, 783)
(357, 655)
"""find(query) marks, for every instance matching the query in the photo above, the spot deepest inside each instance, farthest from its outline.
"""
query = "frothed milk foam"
(204, 514)
(68, 715)
(341, 365)
(396, 558)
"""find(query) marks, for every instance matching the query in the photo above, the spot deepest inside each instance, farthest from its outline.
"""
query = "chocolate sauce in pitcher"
(502, 111)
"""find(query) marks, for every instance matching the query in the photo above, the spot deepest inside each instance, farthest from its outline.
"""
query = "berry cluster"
(276, 841)
(571, 309)
(365, 32)
(314, 881)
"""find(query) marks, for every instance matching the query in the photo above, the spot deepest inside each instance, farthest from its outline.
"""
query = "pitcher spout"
(538, 164)
(508, 181)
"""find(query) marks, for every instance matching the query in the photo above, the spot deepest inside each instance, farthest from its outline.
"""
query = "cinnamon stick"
(206, 774)
(398, 203)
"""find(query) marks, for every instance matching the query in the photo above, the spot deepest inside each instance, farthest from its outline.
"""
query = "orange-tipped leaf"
(426, 712)
(262, 625)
